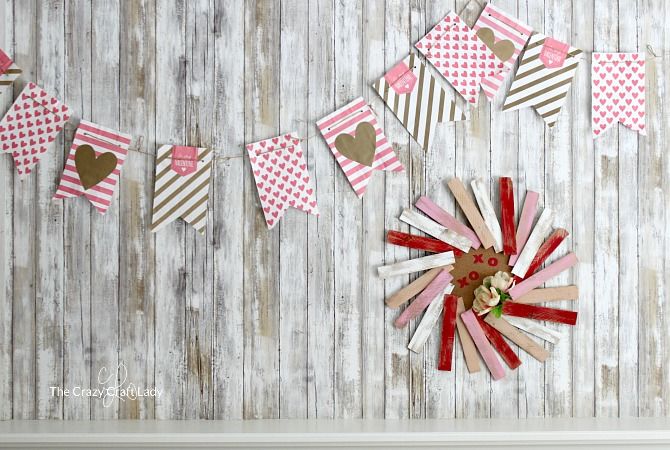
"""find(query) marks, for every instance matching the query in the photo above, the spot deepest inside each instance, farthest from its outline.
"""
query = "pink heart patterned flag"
(30, 125)
(365, 152)
(102, 140)
(618, 91)
(281, 175)
(506, 36)
(459, 55)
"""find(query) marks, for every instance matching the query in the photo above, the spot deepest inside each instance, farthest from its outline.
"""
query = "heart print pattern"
(459, 55)
(617, 90)
(281, 176)
(30, 125)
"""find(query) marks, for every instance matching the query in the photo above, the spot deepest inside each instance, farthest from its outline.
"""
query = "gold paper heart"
(93, 170)
(503, 49)
(360, 148)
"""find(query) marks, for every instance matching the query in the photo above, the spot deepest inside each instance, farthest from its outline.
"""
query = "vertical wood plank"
(348, 241)
(531, 157)
(105, 236)
(172, 275)
(504, 140)
(583, 209)
(227, 205)
(654, 219)
(372, 244)
(77, 256)
(48, 222)
(6, 231)
(606, 246)
(628, 184)
(137, 250)
(473, 160)
(293, 232)
(398, 26)
(261, 246)
(200, 113)
(558, 196)
(321, 231)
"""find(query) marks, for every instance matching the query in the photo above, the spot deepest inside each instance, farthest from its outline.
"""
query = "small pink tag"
(553, 53)
(401, 78)
(5, 62)
(184, 159)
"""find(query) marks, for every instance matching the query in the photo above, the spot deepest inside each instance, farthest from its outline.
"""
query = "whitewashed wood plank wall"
(291, 323)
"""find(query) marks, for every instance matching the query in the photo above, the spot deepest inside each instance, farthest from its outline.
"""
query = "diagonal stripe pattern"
(543, 88)
(178, 195)
(417, 99)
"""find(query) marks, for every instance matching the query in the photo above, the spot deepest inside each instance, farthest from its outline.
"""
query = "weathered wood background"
(247, 323)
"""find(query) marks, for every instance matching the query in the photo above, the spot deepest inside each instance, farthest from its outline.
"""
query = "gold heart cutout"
(93, 170)
(503, 49)
(360, 148)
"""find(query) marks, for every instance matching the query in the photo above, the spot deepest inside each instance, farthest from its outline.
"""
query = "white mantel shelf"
(398, 434)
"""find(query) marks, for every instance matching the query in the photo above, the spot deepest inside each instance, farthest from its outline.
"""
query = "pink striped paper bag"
(358, 143)
(505, 36)
(93, 165)
(30, 125)
(281, 176)
(459, 55)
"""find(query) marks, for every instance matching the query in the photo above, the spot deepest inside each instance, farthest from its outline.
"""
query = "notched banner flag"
(281, 176)
(94, 164)
(618, 91)
(417, 99)
(181, 190)
(544, 77)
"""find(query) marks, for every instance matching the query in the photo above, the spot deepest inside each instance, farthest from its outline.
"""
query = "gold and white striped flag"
(544, 77)
(417, 98)
(181, 188)
(8, 70)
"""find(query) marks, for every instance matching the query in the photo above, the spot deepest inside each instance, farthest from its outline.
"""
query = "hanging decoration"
(417, 99)
(478, 291)
(9, 71)
(544, 77)
(618, 91)
(460, 56)
(181, 189)
(94, 165)
(30, 125)
(506, 37)
(358, 143)
(281, 175)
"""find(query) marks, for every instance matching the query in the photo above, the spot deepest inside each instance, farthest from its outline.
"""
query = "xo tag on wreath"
(553, 53)
(471, 268)
(184, 159)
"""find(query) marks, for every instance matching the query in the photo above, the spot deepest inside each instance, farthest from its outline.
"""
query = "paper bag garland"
(94, 164)
(544, 77)
(8, 70)
(618, 91)
(459, 55)
(349, 134)
(417, 99)
(506, 36)
(30, 125)
(181, 189)
(281, 176)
